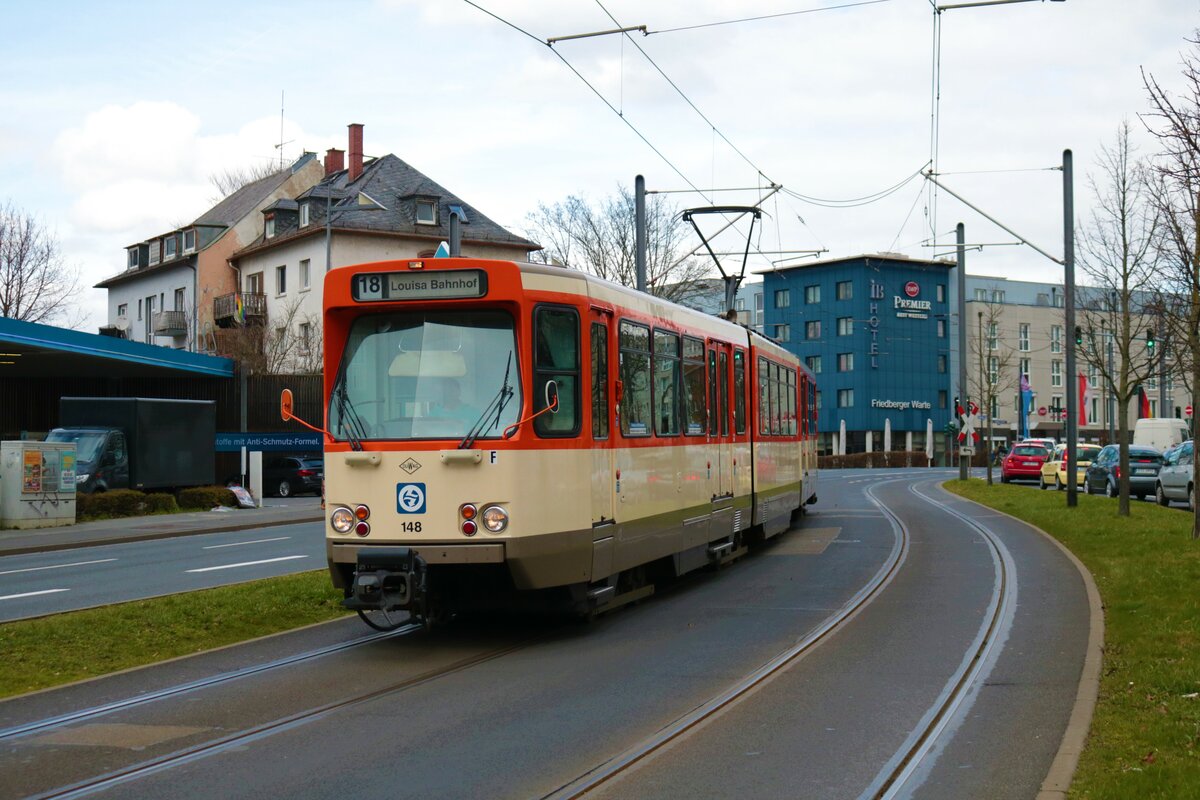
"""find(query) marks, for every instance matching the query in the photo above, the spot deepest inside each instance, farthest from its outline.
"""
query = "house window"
(814, 364)
(941, 363)
(254, 283)
(139, 308)
(189, 241)
(1094, 416)
(981, 295)
(1024, 367)
(993, 370)
(783, 333)
(179, 300)
(997, 296)
(155, 250)
(426, 212)
(305, 337)
(270, 225)
(134, 261)
(304, 218)
(941, 292)
(941, 398)
(1151, 384)
(993, 335)
(305, 274)
(170, 243)
(1056, 338)
(812, 329)
(783, 298)
(812, 294)
(1023, 337)
(123, 310)
(818, 401)
(941, 328)
(281, 280)
(845, 290)
(845, 398)
(845, 362)
(739, 304)
(1056, 373)
(845, 326)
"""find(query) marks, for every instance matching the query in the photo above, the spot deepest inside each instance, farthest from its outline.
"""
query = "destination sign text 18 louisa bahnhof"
(401, 286)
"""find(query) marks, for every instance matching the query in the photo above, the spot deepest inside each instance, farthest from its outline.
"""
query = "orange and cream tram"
(501, 432)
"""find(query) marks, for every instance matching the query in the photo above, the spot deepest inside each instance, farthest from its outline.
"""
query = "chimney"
(334, 161)
(356, 154)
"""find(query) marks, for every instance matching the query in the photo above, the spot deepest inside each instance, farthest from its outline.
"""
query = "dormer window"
(304, 220)
(170, 245)
(426, 212)
(134, 259)
(270, 225)
(155, 251)
(189, 241)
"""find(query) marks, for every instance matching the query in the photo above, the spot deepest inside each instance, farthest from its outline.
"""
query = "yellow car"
(1054, 471)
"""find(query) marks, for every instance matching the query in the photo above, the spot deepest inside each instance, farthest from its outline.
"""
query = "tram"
(514, 433)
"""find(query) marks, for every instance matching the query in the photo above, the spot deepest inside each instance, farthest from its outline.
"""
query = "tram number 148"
(409, 527)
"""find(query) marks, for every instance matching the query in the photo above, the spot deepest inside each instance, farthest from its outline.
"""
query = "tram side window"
(764, 397)
(634, 366)
(791, 400)
(739, 392)
(814, 406)
(666, 383)
(693, 386)
(802, 416)
(556, 358)
(775, 400)
(723, 393)
(599, 381)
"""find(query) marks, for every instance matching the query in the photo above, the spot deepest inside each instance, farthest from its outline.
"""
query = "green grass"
(1145, 734)
(39, 653)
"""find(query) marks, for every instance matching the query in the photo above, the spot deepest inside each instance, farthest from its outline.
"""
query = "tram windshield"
(427, 375)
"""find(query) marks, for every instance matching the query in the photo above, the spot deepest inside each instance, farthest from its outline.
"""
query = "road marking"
(242, 564)
(239, 544)
(32, 594)
(57, 566)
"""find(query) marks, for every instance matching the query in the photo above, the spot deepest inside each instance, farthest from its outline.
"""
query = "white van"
(1161, 433)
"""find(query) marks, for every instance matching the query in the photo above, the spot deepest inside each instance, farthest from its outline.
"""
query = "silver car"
(1175, 477)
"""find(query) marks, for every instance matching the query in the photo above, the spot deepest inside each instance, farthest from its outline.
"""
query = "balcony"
(169, 323)
(254, 307)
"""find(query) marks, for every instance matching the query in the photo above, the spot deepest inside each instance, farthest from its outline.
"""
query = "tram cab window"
(739, 392)
(666, 383)
(556, 360)
(693, 386)
(599, 344)
(634, 342)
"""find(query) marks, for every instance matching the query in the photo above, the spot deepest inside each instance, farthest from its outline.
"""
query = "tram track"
(629, 759)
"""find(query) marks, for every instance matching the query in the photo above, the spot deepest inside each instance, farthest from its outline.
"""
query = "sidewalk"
(158, 526)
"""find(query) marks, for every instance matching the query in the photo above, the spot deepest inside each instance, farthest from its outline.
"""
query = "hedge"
(206, 497)
(123, 503)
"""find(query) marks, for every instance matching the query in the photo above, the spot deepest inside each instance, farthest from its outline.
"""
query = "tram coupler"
(389, 579)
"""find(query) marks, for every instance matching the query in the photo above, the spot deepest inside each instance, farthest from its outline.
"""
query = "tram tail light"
(467, 511)
(362, 513)
(469, 527)
(362, 528)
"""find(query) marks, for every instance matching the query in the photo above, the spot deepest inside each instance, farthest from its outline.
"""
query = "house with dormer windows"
(369, 209)
(175, 284)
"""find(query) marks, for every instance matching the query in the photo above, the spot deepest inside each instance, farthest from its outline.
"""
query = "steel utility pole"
(960, 240)
(1069, 298)
(639, 214)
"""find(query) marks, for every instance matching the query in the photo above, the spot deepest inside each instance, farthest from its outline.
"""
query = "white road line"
(239, 544)
(32, 594)
(57, 566)
(242, 564)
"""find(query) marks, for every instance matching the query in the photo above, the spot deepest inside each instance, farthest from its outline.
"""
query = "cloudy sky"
(117, 113)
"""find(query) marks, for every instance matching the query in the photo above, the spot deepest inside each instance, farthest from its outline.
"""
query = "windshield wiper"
(350, 423)
(498, 403)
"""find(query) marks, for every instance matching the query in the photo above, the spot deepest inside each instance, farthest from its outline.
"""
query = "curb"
(1062, 769)
(150, 535)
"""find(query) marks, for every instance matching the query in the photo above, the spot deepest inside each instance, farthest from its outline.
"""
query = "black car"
(285, 476)
(1104, 473)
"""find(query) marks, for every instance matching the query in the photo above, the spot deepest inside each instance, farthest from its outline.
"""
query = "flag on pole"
(1026, 403)
(1084, 395)
(1143, 403)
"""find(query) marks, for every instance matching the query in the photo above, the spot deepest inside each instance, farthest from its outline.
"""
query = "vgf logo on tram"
(410, 498)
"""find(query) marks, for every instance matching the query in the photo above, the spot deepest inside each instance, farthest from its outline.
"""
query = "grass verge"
(58, 649)
(1145, 734)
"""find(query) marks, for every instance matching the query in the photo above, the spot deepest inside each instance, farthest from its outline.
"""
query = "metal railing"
(254, 306)
(170, 323)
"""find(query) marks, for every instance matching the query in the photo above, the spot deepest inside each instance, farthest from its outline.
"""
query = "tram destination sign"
(370, 287)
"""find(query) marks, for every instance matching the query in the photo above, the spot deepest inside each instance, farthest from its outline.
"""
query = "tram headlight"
(342, 520)
(495, 519)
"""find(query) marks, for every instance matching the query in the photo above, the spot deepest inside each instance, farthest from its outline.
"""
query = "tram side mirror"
(285, 404)
(552, 396)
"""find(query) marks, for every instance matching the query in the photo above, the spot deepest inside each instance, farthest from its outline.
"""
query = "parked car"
(1104, 473)
(1024, 462)
(1160, 433)
(285, 476)
(1054, 471)
(1175, 477)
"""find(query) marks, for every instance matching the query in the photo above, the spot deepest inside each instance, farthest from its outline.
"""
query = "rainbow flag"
(239, 310)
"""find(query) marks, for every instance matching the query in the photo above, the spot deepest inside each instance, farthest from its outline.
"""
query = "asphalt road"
(518, 709)
(65, 580)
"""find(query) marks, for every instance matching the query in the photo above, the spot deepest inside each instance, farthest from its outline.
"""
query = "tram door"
(603, 486)
(720, 441)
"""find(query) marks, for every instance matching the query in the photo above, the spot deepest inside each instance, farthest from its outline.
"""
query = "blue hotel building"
(876, 330)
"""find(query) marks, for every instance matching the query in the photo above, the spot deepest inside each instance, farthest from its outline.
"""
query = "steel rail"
(191, 686)
(893, 779)
(629, 759)
(242, 738)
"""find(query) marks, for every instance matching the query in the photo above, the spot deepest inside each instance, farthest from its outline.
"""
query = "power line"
(765, 16)
(855, 202)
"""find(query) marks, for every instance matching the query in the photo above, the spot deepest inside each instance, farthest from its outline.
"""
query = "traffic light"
(1150, 340)
(1078, 336)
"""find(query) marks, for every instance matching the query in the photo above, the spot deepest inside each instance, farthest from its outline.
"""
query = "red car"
(1024, 463)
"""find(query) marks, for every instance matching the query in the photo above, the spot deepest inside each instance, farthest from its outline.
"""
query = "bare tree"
(995, 371)
(600, 239)
(1174, 121)
(1117, 254)
(229, 180)
(36, 284)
